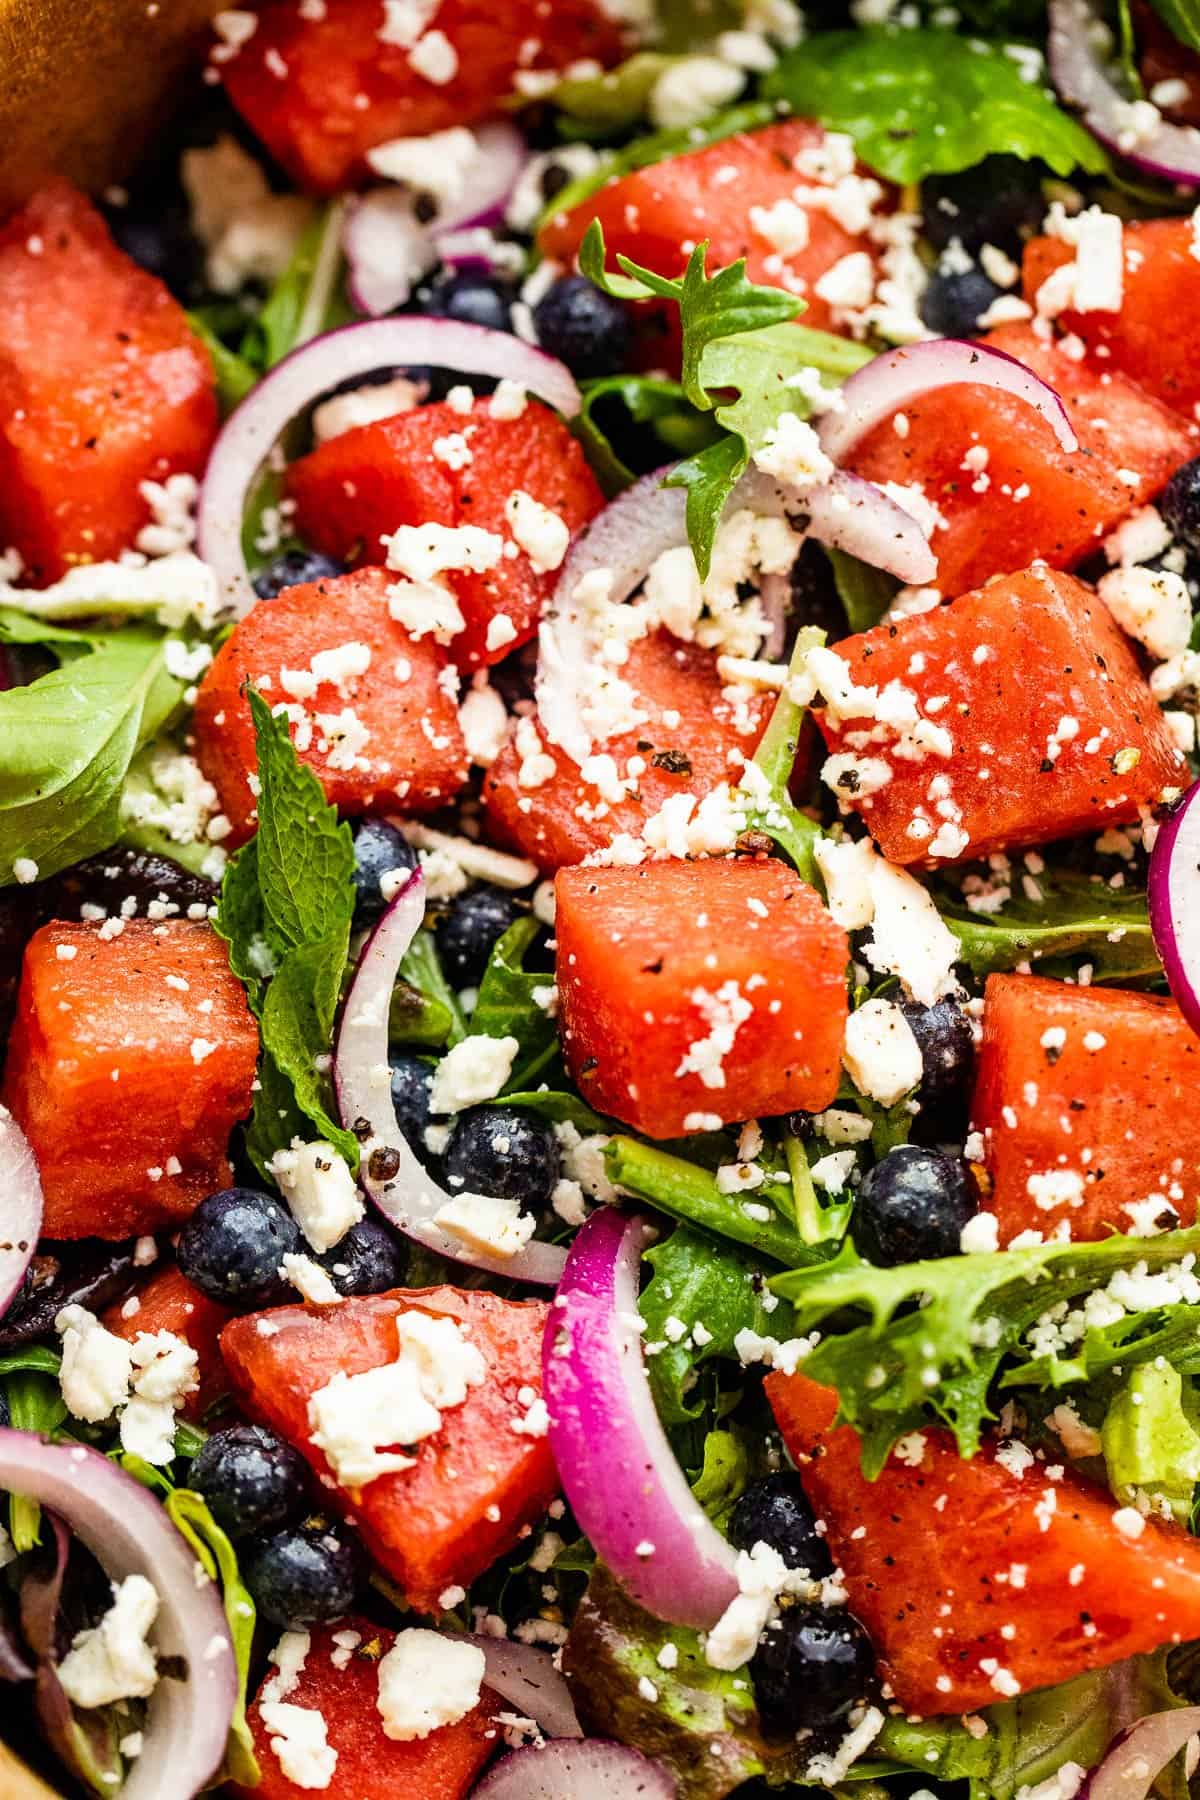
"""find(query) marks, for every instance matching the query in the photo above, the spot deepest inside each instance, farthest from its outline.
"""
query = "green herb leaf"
(928, 102)
(1183, 18)
(508, 1007)
(701, 1283)
(35, 1403)
(297, 1028)
(308, 297)
(235, 376)
(422, 967)
(610, 426)
(1150, 1440)
(189, 1514)
(793, 831)
(938, 1331)
(865, 592)
(690, 1193)
(305, 857)
(66, 743)
(1076, 918)
(600, 106)
(724, 1475)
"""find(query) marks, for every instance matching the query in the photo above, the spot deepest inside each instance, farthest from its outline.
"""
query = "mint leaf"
(66, 743)
(305, 857)
(701, 1283)
(1183, 18)
(189, 1514)
(937, 1332)
(297, 1028)
(1076, 918)
(927, 102)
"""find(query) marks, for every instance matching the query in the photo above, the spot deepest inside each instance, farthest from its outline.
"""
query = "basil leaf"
(1183, 18)
(66, 743)
(925, 102)
(1076, 918)
(701, 1283)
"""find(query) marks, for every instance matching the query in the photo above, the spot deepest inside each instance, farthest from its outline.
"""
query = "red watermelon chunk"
(1148, 341)
(322, 91)
(694, 992)
(103, 385)
(1089, 1104)
(1045, 722)
(126, 1090)
(693, 740)
(1027, 499)
(169, 1302)
(475, 1484)
(340, 1681)
(405, 470)
(976, 1583)
(412, 759)
(735, 194)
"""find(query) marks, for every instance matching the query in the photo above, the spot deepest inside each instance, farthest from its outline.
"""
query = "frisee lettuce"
(740, 351)
(937, 1332)
(929, 102)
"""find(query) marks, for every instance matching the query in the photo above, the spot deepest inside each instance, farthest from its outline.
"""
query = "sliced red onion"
(1174, 894)
(617, 1468)
(898, 377)
(389, 248)
(255, 426)
(128, 1533)
(1079, 72)
(389, 1172)
(1139, 1754)
(20, 1207)
(592, 1769)
(637, 527)
(527, 1678)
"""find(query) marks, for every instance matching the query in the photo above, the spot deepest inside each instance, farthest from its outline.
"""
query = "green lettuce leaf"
(189, 1514)
(937, 1332)
(508, 1004)
(1183, 18)
(776, 815)
(1150, 1441)
(1076, 918)
(612, 420)
(235, 376)
(712, 1285)
(928, 102)
(308, 298)
(689, 1192)
(865, 592)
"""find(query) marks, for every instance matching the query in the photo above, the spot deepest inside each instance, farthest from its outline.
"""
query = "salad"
(600, 916)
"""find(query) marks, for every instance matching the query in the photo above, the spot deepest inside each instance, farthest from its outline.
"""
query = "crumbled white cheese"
(97, 1365)
(299, 1738)
(791, 451)
(113, 1661)
(881, 1054)
(540, 533)
(486, 1224)
(472, 1071)
(427, 1680)
(320, 1191)
(1152, 605)
(363, 406)
(692, 88)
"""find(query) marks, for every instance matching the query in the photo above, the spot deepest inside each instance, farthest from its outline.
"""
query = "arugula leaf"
(507, 1005)
(1183, 18)
(938, 1331)
(689, 1192)
(609, 423)
(865, 592)
(1076, 917)
(66, 743)
(1150, 1440)
(35, 1403)
(925, 102)
(560, 1108)
(724, 1475)
(235, 376)
(285, 909)
(422, 967)
(307, 299)
(701, 1283)
(189, 1513)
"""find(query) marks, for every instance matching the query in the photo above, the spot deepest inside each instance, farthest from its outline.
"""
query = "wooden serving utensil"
(84, 83)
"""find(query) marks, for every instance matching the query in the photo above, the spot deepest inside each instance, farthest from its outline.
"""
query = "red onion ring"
(20, 1207)
(617, 1468)
(527, 1678)
(876, 391)
(1173, 886)
(1139, 1754)
(295, 382)
(408, 1197)
(1078, 73)
(635, 529)
(128, 1532)
(389, 249)
(592, 1769)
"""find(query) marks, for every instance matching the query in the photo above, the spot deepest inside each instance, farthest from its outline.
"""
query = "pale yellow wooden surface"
(17, 1782)
(83, 84)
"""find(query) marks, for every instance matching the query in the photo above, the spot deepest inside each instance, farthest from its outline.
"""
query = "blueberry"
(809, 1669)
(582, 327)
(474, 299)
(955, 301)
(913, 1205)
(499, 1150)
(468, 932)
(293, 567)
(368, 1260)
(998, 202)
(251, 1479)
(1180, 504)
(115, 877)
(378, 849)
(233, 1244)
(775, 1511)
(943, 1034)
(411, 1082)
(160, 239)
(302, 1576)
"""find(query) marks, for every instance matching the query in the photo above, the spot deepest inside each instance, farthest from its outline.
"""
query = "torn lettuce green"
(190, 1515)
(1150, 1441)
(1076, 918)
